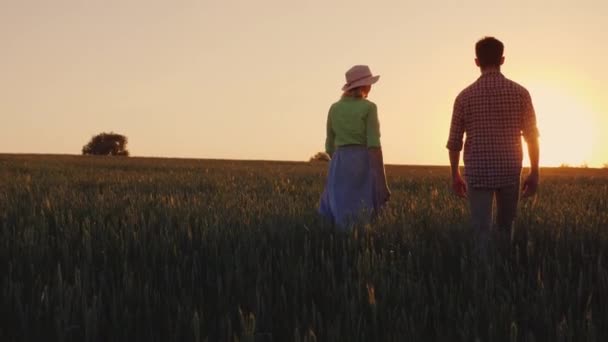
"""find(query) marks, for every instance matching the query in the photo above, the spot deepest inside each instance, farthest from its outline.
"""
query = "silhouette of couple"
(494, 112)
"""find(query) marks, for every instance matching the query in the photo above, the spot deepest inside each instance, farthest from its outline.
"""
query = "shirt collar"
(351, 98)
(491, 73)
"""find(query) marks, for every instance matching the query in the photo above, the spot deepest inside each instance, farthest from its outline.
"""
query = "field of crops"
(129, 249)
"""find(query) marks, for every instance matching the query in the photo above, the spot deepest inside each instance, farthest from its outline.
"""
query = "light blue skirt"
(356, 187)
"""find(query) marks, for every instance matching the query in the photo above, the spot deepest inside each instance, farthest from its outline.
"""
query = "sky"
(254, 79)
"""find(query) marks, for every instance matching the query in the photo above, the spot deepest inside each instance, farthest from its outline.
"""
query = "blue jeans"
(481, 202)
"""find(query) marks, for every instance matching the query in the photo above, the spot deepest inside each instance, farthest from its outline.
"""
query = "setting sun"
(567, 127)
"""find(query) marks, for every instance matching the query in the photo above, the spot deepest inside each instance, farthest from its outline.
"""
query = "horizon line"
(36, 154)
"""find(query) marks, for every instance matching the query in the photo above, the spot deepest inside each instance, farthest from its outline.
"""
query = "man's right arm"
(454, 145)
(455, 163)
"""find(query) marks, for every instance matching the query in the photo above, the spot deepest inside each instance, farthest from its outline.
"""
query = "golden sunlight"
(567, 127)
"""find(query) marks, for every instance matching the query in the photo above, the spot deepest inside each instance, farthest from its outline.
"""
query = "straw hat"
(358, 76)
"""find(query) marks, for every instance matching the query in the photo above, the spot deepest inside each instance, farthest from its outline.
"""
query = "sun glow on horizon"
(567, 127)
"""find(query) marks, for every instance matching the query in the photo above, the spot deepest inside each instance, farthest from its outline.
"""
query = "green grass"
(123, 249)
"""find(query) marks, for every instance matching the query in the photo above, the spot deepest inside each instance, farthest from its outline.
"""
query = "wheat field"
(136, 249)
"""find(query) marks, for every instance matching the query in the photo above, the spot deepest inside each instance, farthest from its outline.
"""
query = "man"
(494, 112)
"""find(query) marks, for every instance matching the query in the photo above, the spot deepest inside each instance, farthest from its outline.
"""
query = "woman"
(356, 183)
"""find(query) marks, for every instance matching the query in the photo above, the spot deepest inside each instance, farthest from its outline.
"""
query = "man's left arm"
(530, 133)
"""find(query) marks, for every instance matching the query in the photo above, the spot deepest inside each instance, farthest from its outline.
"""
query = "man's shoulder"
(505, 82)
(516, 86)
(467, 91)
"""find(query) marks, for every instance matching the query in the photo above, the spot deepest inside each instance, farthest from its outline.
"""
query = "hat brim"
(360, 83)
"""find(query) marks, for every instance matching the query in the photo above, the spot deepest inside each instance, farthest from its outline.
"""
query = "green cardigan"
(352, 121)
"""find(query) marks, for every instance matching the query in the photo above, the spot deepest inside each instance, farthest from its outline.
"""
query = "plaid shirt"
(494, 112)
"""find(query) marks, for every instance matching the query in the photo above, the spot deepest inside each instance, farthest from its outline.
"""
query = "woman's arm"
(330, 136)
(382, 192)
(373, 128)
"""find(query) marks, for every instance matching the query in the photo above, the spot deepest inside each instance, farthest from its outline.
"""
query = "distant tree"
(107, 144)
(564, 165)
(321, 156)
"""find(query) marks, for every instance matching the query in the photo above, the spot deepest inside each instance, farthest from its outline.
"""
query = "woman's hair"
(358, 92)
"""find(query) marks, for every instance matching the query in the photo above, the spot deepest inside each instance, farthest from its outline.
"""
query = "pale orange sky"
(254, 79)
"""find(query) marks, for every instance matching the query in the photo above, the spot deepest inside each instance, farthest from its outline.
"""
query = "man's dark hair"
(489, 52)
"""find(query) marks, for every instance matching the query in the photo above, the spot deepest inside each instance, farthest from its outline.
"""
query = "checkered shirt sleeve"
(528, 127)
(456, 127)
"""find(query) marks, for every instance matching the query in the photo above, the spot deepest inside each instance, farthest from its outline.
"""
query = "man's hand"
(459, 186)
(530, 185)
